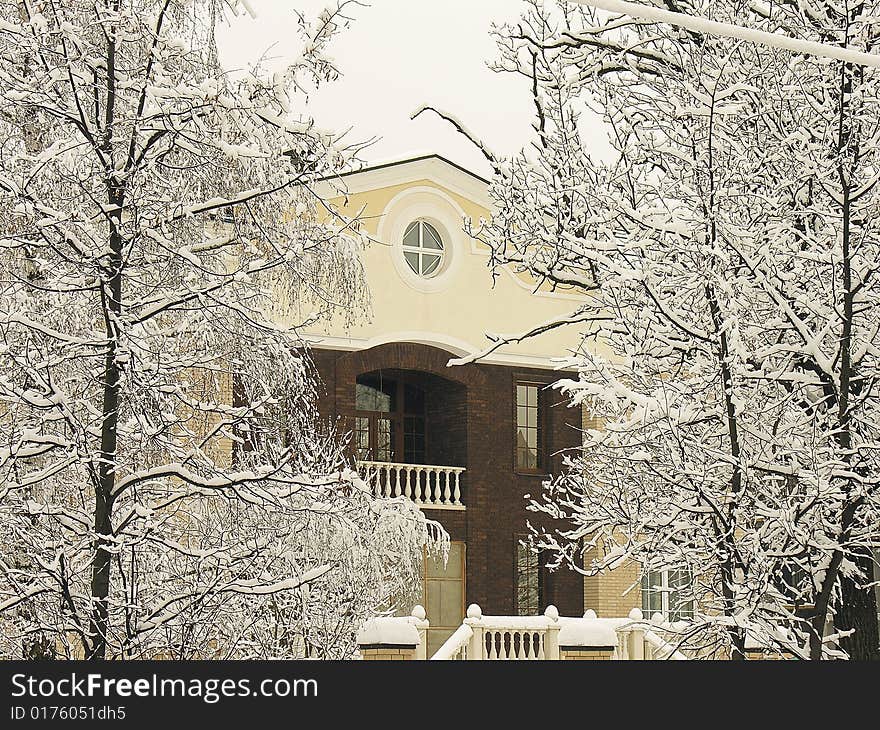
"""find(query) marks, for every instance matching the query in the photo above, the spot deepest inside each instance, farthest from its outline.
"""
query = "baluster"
(397, 490)
(493, 654)
(540, 637)
(409, 488)
(429, 487)
(456, 491)
(445, 474)
(386, 474)
(521, 651)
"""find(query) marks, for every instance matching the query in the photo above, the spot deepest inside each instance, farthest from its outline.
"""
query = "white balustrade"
(518, 638)
(533, 638)
(430, 487)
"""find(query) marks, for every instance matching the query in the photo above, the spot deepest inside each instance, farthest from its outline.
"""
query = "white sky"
(396, 56)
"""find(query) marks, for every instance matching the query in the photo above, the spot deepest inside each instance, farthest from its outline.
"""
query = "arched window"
(423, 249)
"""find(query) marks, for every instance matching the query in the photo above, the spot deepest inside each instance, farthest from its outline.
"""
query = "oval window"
(423, 249)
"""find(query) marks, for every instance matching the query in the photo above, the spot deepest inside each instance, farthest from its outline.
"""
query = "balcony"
(430, 487)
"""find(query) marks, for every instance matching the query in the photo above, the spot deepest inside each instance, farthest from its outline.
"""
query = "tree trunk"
(858, 611)
(111, 294)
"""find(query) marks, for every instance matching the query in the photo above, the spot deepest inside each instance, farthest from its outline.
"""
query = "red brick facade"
(471, 423)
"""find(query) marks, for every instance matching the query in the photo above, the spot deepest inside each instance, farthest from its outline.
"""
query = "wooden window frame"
(397, 417)
(543, 420)
(451, 580)
(541, 576)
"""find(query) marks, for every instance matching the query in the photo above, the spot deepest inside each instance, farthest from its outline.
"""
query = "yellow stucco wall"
(456, 309)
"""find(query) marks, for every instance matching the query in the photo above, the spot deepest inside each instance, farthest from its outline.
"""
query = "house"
(467, 442)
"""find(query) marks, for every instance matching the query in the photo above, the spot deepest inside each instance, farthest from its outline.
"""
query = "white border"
(437, 208)
(452, 345)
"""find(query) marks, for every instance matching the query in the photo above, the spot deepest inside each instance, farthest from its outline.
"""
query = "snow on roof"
(408, 159)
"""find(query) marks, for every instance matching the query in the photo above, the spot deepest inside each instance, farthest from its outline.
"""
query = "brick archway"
(407, 356)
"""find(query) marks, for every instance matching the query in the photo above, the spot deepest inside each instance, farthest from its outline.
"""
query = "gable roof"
(434, 167)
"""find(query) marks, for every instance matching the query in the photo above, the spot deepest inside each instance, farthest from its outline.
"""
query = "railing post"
(476, 646)
(420, 621)
(551, 635)
(636, 637)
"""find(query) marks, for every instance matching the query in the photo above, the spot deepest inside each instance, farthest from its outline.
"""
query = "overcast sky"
(397, 55)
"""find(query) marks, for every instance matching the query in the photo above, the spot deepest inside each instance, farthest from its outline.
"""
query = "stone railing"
(521, 638)
(640, 639)
(430, 487)
(518, 638)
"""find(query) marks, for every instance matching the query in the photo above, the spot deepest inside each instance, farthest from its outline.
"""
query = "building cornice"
(454, 346)
(431, 167)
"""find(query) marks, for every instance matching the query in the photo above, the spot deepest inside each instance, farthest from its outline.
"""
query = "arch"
(407, 356)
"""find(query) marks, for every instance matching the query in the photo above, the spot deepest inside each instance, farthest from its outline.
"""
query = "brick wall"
(611, 594)
(388, 653)
(579, 654)
(473, 427)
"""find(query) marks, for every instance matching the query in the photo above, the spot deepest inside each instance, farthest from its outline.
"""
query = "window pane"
(385, 440)
(411, 237)
(526, 459)
(362, 438)
(528, 423)
(413, 260)
(376, 394)
(527, 587)
(532, 396)
(431, 239)
(430, 263)
(451, 601)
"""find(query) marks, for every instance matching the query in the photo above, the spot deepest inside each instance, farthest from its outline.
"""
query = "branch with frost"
(727, 30)
(461, 129)
(500, 341)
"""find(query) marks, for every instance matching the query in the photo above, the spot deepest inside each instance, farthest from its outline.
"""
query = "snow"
(726, 30)
(389, 630)
(589, 631)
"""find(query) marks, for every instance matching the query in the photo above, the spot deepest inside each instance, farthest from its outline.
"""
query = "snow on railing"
(430, 487)
(553, 637)
(456, 646)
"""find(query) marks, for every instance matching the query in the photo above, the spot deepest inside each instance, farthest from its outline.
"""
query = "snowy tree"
(166, 487)
(727, 256)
